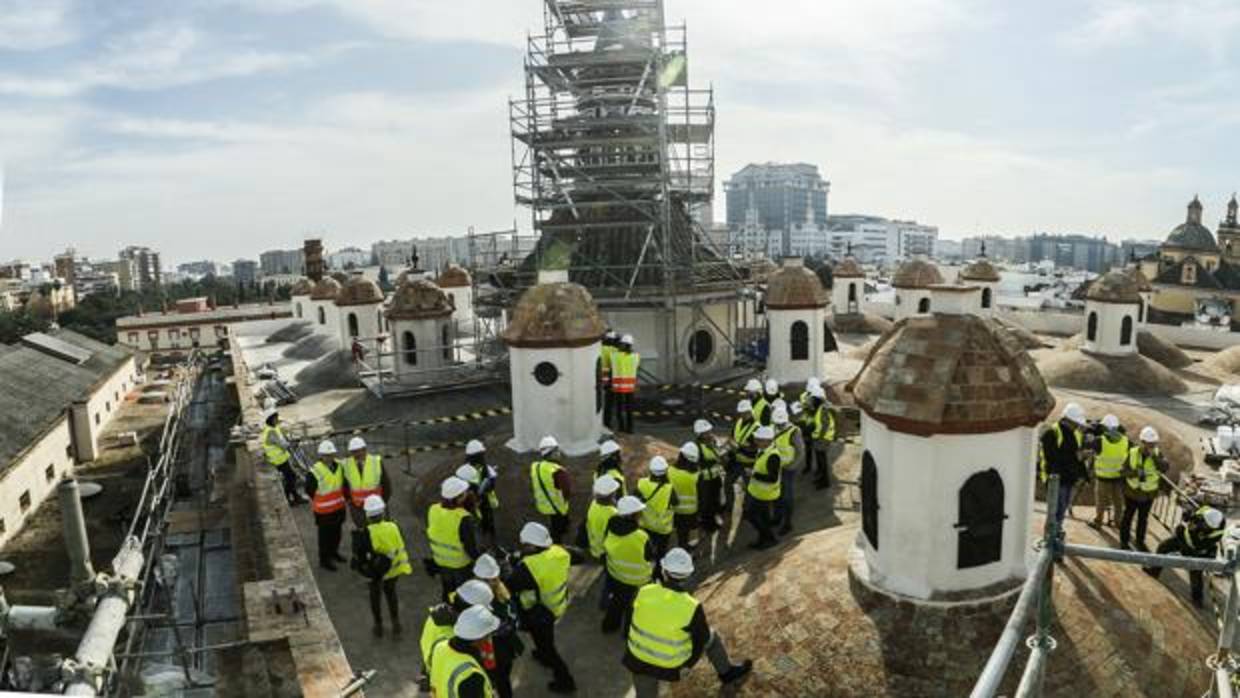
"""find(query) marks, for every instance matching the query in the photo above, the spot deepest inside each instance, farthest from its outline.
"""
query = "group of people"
(617, 375)
(1126, 475)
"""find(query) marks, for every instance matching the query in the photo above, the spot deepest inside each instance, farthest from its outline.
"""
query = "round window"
(546, 373)
(701, 346)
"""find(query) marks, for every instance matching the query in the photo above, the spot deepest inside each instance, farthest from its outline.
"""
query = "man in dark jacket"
(629, 558)
(1065, 452)
(1197, 536)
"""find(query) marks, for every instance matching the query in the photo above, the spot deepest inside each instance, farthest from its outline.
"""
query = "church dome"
(794, 287)
(979, 270)
(557, 314)
(303, 287)
(454, 277)
(1192, 236)
(916, 273)
(951, 374)
(325, 290)
(848, 269)
(419, 300)
(359, 291)
(1114, 287)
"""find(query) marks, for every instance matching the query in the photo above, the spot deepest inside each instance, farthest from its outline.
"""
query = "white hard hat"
(605, 486)
(779, 415)
(269, 413)
(772, 387)
(658, 465)
(818, 392)
(753, 386)
(690, 451)
(677, 563)
(811, 383)
(764, 432)
(476, 592)
(611, 334)
(356, 443)
(534, 533)
(474, 447)
(373, 506)
(795, 408)
(1213, 517)
(469, 474)
(744, 406)
(779, 404)
(701, 426)
(626, 339)
(453, 487)
(548, 443)
(327, 448)
(475, 623)
(1074, 413)
(608, 447)
(629, 505)
(1149, 435)
(485, 567)
(1110, 422)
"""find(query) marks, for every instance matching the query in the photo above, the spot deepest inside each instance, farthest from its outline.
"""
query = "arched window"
(322, 316)
(1125, 331)
(299, 311)
(828, 339)
(985, 298)
(799, 339)
(353, 325)
(445, 340)
(980, 540)
(923, 305)
(1091, 328)
(1141, 311)
(410, 347)
(869, 499)
(701, 346)
(379, 319)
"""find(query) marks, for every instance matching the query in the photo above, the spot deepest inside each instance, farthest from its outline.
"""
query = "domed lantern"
(796, 306)
(848, 287)
(982, 274)
(1112, 305)
(420, 316)
(912, 283)
(359, 306)
(457, 282)
(300, 298)
(323, 305)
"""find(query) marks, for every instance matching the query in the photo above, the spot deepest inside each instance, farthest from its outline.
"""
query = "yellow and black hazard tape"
(427, 448)
(655, 414)
(445, 419)
(666, 387)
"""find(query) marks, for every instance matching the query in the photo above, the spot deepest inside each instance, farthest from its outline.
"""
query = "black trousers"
(449, 580)
(619, 605)
(331, 528)
(378, 589)
(685, 523)
(487, 523)
(609, 406)
(558, 526)
(761, 515)
(1139, 510)
(624, 412)
(505, 658)
(708, 505)
(290, 482)
(542, 632)
(1175, 544)
(660, 541)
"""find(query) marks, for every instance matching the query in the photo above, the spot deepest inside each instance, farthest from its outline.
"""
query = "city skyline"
(217, 129)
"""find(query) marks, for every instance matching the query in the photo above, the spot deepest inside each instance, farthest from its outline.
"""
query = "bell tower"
(1229, 233)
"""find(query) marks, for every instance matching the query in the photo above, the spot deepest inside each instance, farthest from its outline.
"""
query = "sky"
(220, 128)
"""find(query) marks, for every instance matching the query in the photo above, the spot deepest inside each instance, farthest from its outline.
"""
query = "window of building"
(410, 346)
(1189, 275)
(193, 333)
(798, 337)
(923, 305)
(445, 339)
(353, 331)
(24, 501)
(852, 298)
(3, 528)
(985, 298)
(701, 346)
(869, 499)
(980, 537)
(1141, 311)
(298, 307)
(107, 406)
(379, 319)
(322, 316)
(152, 338)
(546, 373)
(133, 339)
(828, 339)
(1091, 327)
(50, 472)
(96, 419)
(1125, 331)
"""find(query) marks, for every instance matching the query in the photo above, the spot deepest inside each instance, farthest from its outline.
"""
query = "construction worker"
(624, 366)
(629, 560)
(540, 582)
(605, 352)
(483, 504)
(365, 475)
(551, 486)
(685, 476)
(822, 443)
(1113, 454)
(1064, 453)
(508, 645)
(606, 492)
(441, 618)
(743, 453)
(791, 452)
(459, 665)
(610, 463)
(1142, 473)
(660, 499)
(488, 498)
(387, 561)
(711, 477)
(278, 453)
(807, 394)
(753, 393)
(1198, 535)
(328, 492)
(669, 632)
(762, 491)
(451, 531)
(770, 395)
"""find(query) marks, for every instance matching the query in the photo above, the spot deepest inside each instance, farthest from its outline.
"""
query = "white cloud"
(29, 26)
(1211, 25)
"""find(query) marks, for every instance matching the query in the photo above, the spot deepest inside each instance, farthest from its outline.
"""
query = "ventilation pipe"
(85, 672)
(76, 542)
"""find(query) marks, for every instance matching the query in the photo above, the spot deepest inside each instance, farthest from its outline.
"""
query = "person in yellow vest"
(686, 478)
(278, 453)
(387, 560)
(629, 558)
(328, 493)
(606, 492)
(660, 499)
(508, 645)
(451, 532)
(540, 582)
(711, 475)
(1064, 451)
(365, 476)
(484, 488)
(441, 617)
(753, 393)
(823, 446)
(762, 491)
(459, 665)
(669, 632)
(605, 352)
(624, 367)
(770, 395)
(551, 486)
(1143, 473)
(791, 452)
(1198, 535)
(610, 463)
(1113, 453)
(743, 453)
(807, 395)
(481, 504)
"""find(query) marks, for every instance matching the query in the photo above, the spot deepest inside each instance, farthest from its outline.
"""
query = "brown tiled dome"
(794, 287)
(359, 291)
(979, 270)
(554, 315)
(848, 269)
(951, 374)
(303, 287)
(1114, 287)
(340, 277)
(916, 273)
(454, 277)
(325, 290)
(1138, 278)
(419, 300)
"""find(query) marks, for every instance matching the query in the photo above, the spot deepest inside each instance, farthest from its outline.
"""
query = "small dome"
(419, 300)
(916, 273)
(554, 315)
(303, 287)
(794, 287)
(1138, 277)
(325, 290)
(1192, 236)
(979, 270)
(1114, 287)
(848, 269)
(359, 291)
(951, 374)
(454, 277)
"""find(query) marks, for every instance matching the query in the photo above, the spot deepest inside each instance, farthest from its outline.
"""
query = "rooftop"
(1114, 287)
(554, 315)
(793, 287)
(220, 315)
(916, 273)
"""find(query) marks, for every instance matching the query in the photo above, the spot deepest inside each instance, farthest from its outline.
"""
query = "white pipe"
(24, 618)
(76, 541)
(95, 651)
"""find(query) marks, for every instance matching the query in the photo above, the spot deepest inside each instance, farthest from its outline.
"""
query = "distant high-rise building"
(781, 195)
(348, 258)
(125, 270)
(149, 274)
(245, 271)
(1075, 251)
(393, 254)
(275, 262)
(877, 240)
(198, 269)
(66, 264)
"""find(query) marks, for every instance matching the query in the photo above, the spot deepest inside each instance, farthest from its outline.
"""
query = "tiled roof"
(1114, 287)
(554, 315)
(1174, 275)
(979, 270)
(916, 273)
(419, 300)
(359, 290)
(454, 277)
(325, 290)
(303, 287)
(847, 268)
(1192, 236)
(951, 374)
(794, 286)
(1138, 277)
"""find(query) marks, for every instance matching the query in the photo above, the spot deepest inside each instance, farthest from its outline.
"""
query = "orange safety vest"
(329, 494)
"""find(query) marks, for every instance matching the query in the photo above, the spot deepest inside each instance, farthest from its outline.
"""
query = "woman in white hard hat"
(625, 363)
(328, 493)
(629, 557)
(452, 532)
(385, 560)
(508, 644)
(1142, 474)
(1113, 453)
(1198, 535)
(441, 618)
(610, 464)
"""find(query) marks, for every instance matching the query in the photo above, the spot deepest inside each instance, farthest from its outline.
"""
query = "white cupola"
(457, 282)
(420, 321)
(359, 310)
(982, 274)
(912, 282)
(300, 299)
(796, 308)
(847, 287)
(1112, 305)
(323, 306)
(1144, 289)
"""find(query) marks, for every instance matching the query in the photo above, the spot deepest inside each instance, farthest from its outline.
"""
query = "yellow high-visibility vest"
(657, 516)
(272, 450)
(1109, 463)
(764, 491)
(1080, 440)
(618, 475)
(685, 484)
(329, 492)
(1146, 479)
(626, 558)
(711, 468)
(385, 540)
(605, 353)
(547, 497)
(597, 518)
(450, 669)
(549, 569)
(432, 634)
(657, 633)
(824, 424)
(363, 482)
(443, 532)
(783, 444)
(624, 365)
(742, 436)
